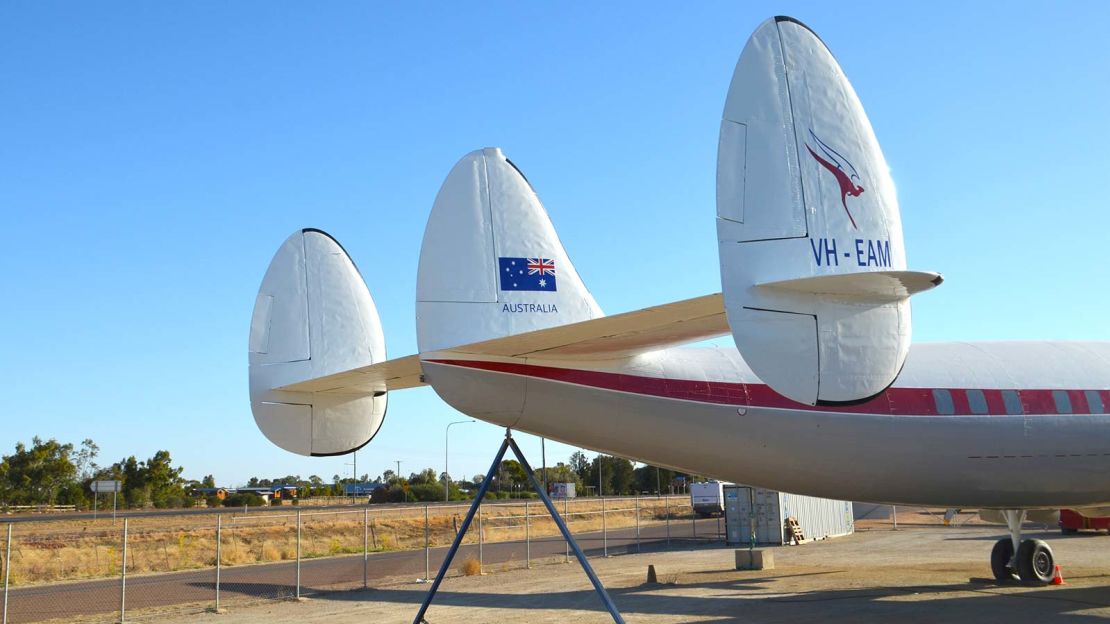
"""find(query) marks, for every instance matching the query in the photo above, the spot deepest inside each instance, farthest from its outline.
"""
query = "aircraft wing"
(620, 335)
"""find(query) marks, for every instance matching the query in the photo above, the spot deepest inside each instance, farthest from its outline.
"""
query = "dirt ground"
(934, 574)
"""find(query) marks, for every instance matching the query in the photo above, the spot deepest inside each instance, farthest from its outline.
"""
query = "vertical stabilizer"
(491, 264)
(813, 268)
(314, 317)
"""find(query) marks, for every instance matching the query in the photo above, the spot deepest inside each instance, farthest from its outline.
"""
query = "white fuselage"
(1002, 425)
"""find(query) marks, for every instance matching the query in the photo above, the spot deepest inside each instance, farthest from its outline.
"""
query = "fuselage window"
(1094, 401)
(943, 399)
(1012, 401)
(977, 401)
(1063, 403)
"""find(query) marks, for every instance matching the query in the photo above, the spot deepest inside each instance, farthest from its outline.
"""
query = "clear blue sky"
(153, 156)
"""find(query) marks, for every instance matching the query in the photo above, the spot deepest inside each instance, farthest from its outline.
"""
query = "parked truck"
(708, 498)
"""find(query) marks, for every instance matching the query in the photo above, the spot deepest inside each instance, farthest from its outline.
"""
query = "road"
(278, 580)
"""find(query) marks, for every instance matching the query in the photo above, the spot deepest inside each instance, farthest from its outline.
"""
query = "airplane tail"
(491, 264)
(813, 266)
(314, 317)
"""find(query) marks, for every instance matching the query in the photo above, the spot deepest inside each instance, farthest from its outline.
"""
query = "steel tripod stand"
(507, 444)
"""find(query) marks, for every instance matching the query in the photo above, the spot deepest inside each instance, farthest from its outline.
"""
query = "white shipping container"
(820, 518)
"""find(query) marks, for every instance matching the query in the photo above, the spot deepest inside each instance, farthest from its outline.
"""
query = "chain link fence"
(141, 567)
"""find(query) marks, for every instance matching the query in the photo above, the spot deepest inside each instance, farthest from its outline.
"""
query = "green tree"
(617, 475)
(580, 464)
(37, 475)
(561, 473)
(424, 477)
(164, 481)
(83, 460)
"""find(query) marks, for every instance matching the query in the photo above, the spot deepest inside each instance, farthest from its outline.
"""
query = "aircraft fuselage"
(1003, 425)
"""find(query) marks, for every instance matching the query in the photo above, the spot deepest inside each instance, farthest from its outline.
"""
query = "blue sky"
(153, 156)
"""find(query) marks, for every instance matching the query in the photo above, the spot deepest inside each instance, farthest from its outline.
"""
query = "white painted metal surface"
(813, 266)
(314, 317)
(491, 264)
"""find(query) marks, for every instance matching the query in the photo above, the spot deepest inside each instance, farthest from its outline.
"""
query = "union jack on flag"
(527, 273)
(542, 266)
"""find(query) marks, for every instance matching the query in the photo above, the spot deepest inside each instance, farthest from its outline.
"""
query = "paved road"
(677, 501)
(278, 580)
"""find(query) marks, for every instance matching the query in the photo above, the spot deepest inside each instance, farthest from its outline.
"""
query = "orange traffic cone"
(1058, 579)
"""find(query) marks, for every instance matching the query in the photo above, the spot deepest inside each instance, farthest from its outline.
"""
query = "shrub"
(244, 500)
(470, 567)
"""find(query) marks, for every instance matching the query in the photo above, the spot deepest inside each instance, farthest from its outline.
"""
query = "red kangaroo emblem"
(843, 170)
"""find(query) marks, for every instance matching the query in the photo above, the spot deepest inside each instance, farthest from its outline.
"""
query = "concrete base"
(757, 559)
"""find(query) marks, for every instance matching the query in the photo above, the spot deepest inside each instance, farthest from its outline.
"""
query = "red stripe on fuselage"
(893, 401)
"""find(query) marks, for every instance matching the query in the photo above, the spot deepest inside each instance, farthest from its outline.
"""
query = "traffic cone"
(1058, 579)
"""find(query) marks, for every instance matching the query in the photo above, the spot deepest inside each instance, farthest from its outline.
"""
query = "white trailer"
(708, 498)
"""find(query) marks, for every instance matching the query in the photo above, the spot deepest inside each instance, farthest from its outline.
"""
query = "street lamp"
(446, 471)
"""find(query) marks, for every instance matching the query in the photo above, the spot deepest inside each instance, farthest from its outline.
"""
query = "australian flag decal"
(527, 274)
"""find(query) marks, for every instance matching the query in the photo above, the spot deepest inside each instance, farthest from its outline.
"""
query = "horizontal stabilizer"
(876, 286)
(620, 335)
(397, 374)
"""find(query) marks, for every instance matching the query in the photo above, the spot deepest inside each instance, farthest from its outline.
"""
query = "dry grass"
(68, 550)
(470, 567)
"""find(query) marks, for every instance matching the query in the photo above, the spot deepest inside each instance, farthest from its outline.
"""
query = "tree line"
(52, 473)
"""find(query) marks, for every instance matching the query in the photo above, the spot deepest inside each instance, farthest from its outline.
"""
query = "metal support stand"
(506, 445)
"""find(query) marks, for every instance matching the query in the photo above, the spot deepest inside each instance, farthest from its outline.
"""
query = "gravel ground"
(911, 575)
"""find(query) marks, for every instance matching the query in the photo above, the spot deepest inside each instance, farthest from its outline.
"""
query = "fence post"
(298, 589)
(365, 545)
(667, 503)
(481, 540)
(527, 537)
(427, 548)
(894, 516)
(123, 578)
(638, 523)
(694, 522)
(7, 570)
(604, 531)
(219, 552)
(566, 518)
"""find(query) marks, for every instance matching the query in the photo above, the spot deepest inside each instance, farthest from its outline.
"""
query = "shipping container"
(820, 518)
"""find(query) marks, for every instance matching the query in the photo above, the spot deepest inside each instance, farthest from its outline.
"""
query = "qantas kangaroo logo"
(843, 170)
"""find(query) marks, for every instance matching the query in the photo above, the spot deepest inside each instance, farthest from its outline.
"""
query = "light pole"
(446, 471)
(599, 474)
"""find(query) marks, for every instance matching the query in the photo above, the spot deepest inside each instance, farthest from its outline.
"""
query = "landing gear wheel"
(1001, 555)
(1035, 562)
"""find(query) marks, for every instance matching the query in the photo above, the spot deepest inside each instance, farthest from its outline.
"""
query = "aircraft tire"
(1035, 562)
(1001, 555)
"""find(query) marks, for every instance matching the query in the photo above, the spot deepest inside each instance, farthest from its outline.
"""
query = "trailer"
(708, 498)
(1072, 522)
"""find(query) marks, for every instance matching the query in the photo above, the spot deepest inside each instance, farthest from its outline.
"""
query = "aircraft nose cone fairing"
(813, 267)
